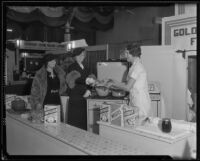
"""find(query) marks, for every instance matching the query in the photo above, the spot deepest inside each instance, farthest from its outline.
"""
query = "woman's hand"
(90, 81)
(109, 84)
(92, 76)
(112, 83)
(87, 94)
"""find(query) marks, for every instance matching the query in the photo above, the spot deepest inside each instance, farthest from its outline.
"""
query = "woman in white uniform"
(136, 81)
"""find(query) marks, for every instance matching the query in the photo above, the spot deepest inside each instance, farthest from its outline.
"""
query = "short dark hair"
(134, 49)
(48, 57)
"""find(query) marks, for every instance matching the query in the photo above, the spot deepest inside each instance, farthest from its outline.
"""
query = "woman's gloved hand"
(91, 80)
(112, 83)
(87, 94)
(92, 76)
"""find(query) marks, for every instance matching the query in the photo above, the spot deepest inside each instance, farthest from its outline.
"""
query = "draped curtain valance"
(58, 16)
(48, 11)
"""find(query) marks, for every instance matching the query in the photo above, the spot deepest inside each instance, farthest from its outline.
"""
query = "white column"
(179, 9)
(190, 9)
(67, 35)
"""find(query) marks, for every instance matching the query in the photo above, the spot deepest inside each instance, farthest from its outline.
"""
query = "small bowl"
(102, 91)
(118, 93)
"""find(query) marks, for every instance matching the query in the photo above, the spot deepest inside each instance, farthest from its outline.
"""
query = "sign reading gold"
(185, 32)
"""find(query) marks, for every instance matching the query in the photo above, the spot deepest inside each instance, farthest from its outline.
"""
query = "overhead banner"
(36, 45)
(48, 46)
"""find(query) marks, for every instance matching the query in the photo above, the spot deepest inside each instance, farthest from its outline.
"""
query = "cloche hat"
(77, 51)
(48, 57)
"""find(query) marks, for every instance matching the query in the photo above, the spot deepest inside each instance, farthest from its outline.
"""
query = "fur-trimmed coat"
(39, 86)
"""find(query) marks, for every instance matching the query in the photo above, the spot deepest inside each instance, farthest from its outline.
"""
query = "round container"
(18, 104)
(118, 93)
(166, 125)
(102, 91)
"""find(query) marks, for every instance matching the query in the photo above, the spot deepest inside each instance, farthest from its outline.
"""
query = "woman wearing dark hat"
(136, 81)
(49, 82)
(78, 90)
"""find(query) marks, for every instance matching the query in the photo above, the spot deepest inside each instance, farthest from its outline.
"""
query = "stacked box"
(52, 114)
(105, 113)
(116, 114)
(130, 116)
(119, 114)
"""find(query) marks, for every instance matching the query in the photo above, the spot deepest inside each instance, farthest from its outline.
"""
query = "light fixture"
(69, 46)
(9, 30)
(17, 42)
(24, 54)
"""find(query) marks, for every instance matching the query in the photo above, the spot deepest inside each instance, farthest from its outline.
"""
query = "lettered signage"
(184, 37)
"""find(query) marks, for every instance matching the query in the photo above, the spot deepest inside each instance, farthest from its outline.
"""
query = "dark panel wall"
(34, 31)
(138, 25)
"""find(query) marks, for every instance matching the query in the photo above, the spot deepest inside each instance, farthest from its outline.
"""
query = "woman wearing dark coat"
(48, 84)
(78, 90)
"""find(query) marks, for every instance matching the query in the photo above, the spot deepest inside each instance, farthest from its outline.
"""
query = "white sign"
(184, 37)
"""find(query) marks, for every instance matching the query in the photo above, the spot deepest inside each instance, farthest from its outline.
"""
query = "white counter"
(177, 143)
(26, 138)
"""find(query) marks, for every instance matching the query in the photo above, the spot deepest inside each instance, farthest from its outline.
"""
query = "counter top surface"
(87, 142)
(109, 97)
(153, 131)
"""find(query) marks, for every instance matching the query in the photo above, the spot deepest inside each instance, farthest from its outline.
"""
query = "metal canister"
(166, 125)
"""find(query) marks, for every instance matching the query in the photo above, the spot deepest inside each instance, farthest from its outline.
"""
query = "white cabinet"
(169, 68)
(93, 112)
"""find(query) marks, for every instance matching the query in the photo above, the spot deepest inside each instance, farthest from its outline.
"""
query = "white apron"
(139, 95)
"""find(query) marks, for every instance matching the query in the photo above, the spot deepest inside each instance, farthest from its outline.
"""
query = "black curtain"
(37, 31)
(35, 26)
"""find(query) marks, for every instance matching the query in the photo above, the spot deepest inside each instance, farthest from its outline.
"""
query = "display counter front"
(26, 138)
(93, 110)
(179, 143)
